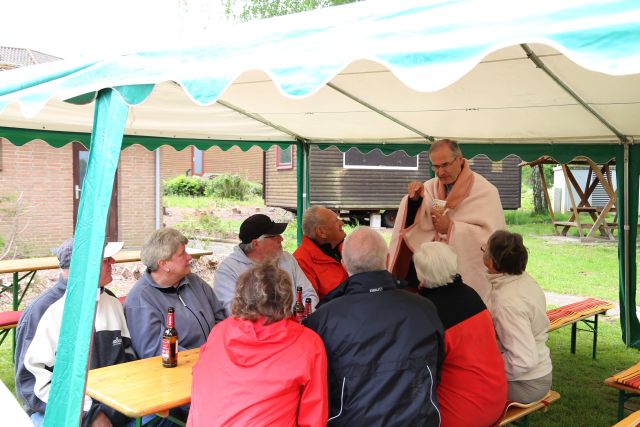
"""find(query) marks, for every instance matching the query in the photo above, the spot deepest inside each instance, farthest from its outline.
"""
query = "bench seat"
(580, 311)
(515, 411)
(627, 383)
(9, 319)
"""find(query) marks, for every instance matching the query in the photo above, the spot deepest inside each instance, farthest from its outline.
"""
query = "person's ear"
(162, 265)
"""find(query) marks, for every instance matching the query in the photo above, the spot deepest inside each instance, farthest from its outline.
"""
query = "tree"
(248, 10)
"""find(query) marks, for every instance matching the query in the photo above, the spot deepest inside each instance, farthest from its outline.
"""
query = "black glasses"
(483, 247)
(443, 165)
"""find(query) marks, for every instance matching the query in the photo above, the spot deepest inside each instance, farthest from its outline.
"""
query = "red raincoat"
(324, 272)
(252, 374)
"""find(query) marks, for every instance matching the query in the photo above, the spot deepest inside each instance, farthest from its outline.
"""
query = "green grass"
(6, 363)
(570, 268)
(208, 202)
(584, 399)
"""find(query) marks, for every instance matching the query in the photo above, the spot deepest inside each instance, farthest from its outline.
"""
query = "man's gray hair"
(310, 220)
(161, 246)
(364, 250)
(246, 247)
(453, 146)
(436, 264)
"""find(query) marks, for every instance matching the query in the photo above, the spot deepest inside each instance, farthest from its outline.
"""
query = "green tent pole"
(301, 200)
(67, 389)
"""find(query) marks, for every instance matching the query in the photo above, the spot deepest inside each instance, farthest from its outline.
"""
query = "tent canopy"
(559, 78)
(395, 74)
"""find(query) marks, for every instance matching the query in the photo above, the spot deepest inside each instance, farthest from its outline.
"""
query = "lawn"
(560, 266)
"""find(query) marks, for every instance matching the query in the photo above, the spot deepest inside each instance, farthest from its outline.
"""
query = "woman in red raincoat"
(260, 367)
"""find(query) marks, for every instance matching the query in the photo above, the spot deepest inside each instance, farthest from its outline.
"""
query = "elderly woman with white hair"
(473, 384)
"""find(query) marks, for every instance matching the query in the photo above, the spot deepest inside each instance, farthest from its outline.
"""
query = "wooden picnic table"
(144, 387)
(24, 270)
(29, 266)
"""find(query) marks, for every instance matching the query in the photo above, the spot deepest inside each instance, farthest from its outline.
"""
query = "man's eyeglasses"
(443, 165)
(483, 248)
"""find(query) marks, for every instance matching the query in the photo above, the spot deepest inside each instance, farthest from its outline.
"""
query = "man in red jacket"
(320, 253)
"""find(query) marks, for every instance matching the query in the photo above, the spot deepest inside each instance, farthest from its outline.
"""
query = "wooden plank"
(51, 263)
(144, 387)
(519, 411)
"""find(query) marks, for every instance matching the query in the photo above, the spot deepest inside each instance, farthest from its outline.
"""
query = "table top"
(144, 387)
(51, 263)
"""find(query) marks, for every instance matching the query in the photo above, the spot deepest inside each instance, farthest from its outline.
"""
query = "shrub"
(191, 186)
(231, 187)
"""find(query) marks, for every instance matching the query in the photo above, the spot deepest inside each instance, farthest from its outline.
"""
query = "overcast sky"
(68, 28)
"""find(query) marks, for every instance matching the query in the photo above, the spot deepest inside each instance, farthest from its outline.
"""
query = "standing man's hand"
(415, 189)
(441, 221)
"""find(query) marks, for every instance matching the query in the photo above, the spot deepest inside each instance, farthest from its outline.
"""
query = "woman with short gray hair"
(169, 282)
(473, 384)
(271, 370)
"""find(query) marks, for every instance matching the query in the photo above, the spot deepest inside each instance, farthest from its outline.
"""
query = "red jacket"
(252, 374)
(324, 272)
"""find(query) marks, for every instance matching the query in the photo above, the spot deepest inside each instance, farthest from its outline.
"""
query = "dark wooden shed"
(370, 183)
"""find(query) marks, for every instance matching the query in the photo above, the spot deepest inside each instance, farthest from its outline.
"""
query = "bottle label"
(170, 351)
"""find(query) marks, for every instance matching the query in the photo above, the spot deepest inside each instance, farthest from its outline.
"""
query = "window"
(284, 157)
(197, 162)
(496, 167)
(376, 159)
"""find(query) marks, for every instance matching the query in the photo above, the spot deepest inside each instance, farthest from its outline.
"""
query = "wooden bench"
(8, 321)
(580, 311)
(627, 383)
(632, 420)
(517, 413)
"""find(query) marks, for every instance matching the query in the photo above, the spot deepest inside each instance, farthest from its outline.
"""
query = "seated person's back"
(473, 386)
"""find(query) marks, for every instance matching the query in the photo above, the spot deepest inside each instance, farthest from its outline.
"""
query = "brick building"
(48, 180)
(191, 161)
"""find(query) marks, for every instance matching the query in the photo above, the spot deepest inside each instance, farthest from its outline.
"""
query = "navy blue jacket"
(384, 347)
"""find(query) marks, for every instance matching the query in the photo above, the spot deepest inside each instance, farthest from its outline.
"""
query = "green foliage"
(185, 186)
(222, 186)
(528, 171)
(248, 10)
(231, 187)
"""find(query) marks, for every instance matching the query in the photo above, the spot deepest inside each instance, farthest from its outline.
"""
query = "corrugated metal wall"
(334, 186)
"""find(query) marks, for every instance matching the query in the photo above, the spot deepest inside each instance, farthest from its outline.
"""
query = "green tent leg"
(302, 200)
(70, 374)
(628, 214)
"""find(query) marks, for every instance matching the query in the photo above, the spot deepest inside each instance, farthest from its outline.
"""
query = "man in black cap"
(260, 241)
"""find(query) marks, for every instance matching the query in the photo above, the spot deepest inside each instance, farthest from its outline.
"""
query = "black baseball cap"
(258, 225)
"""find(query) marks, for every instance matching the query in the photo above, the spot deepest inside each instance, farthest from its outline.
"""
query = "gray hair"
(63, 252)
(364, 250)
(450, 143)
(310, 220)
(161, 246)
(436, 264)
(246, 247)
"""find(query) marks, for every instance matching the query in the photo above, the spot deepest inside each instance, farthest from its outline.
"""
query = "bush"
(192, 186)
(231, 187)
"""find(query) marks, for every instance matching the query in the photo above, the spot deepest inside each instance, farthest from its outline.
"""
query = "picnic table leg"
(16, 291)
(574, 328)
(621, 399)
(595, 336)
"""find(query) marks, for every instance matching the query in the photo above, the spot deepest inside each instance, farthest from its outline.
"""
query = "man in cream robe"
(471, 214)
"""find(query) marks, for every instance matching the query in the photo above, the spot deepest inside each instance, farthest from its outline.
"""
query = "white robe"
(475, 218)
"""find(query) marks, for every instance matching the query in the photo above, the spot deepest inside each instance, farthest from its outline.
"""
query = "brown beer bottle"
(170, 342)
(307, 307)
(298, 309)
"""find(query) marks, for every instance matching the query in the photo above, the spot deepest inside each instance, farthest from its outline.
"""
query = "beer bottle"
(170, 342)
(298, 309)
(307, 307)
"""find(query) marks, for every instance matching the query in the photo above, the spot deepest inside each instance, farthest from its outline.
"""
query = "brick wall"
(44, 176)
(245, 163)
(136, 195)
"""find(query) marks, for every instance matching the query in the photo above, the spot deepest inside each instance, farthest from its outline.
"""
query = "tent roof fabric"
(381, 72)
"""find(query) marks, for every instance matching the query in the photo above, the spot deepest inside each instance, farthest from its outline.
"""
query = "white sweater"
(519, 311)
